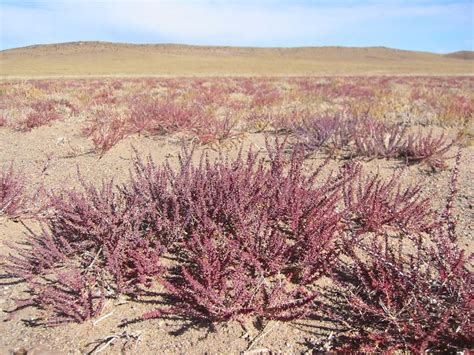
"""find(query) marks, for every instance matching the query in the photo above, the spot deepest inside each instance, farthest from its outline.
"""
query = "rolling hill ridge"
(121, 59)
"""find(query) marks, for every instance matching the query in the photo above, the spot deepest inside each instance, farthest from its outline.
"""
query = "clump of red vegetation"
(46, 111)
(164, 116)
(377, 139)
(106, 128)
(65, 295)
(92, 238)
(376, 205)
(370, 138)
(254, 237)
(12, 192)
(428, 148)
(406, 289)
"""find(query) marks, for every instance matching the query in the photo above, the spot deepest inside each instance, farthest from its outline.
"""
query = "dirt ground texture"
(50, 156)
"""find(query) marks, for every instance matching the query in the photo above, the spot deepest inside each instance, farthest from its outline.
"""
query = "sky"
(427, 25)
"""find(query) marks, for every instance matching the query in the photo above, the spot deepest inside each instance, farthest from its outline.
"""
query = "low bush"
(252, 239)
(106, 128)
(376, 205)
(12, 192)
(377, 139)
(365, 137)
(406, 290)
(429, 149)
(91, 237)
(66, 295)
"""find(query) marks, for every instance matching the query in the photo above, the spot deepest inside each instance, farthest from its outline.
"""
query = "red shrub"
(377, 139)
(410, 293)
(99, 240)
(43, 113)
(106, 128)
(377, 205)
(43, 253)
(99, 222)
(255, 238)
(46, 111)
(318, 132)
(73, 296)
(359, 136)
(216, 130)
(427, 149)
(370, 138)
(164, 116)
(217, 287)
(12, 192)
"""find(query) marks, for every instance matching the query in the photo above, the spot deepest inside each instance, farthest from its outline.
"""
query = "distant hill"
(120, 59)
(466, 55)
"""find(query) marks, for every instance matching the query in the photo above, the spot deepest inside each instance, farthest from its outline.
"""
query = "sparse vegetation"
(250, 240)
(318, 223)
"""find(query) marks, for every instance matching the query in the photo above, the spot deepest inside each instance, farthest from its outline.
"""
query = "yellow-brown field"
(109, 59)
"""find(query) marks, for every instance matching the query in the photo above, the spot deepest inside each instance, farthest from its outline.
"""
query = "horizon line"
(227, 46)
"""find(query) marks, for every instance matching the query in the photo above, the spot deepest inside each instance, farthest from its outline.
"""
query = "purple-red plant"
(407, 291)
(216, 130)
(12, 192)
(332, 133)
(318, 132)
(98, 223)
(370, 138)
(254, 236)
(67, 295)
(215, 286)
(428, 149)
(106, 129)
(93, 232)
(165, 116)
(378, 205)
(44, 112)
(376, 139)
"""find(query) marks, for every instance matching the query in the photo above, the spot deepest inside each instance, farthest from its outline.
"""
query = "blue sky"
(428, 25)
